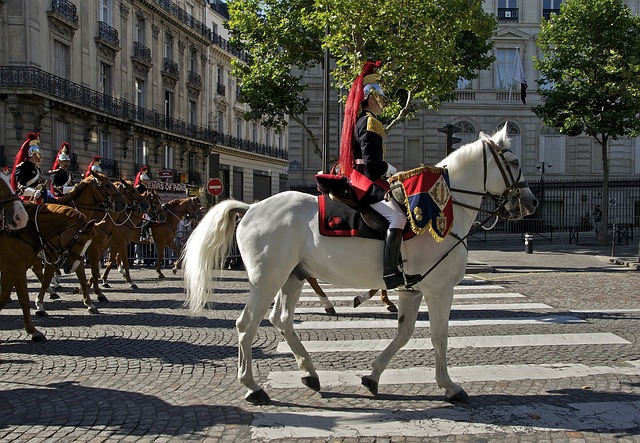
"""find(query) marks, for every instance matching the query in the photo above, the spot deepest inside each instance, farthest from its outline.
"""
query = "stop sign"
(214, 186)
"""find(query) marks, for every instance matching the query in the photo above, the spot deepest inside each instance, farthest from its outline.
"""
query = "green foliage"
(591, 69)
(426, 45)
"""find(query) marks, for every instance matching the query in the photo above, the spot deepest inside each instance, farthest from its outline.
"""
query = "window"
(168, 104)
(550, 7)
(414, 153)
(254, 133)
(221, 122)
(238, 128)
(61, 60)
(61, 133)
(193, 56)
(105, 11)
(139, 93)
(192, 162)
(106, 145)
(552, 150)
(637, 153)
(192, 112)
(467, 133)
(267, 137)
(168, 46)
(139, 31)
(463, 83)
(505, 72)
(141, 152)
(220, 78)
(168, 157)
(507, 10)
(513, 132)
(105, 78)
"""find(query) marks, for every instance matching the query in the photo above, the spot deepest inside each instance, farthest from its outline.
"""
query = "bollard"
(528, 243)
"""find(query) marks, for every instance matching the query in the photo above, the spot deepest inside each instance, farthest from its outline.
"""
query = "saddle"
(422, 193)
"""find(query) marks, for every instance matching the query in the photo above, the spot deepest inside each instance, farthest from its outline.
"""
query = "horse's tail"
(207, 249)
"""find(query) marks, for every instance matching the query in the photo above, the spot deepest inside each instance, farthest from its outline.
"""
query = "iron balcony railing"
(194, 79)
(110, 167)
(249, 146)
(141, 52)
(36, 79)
(66, 9)
(508, 15)
(108, 34)
(546, 13)
(170, 67)
(220, 89)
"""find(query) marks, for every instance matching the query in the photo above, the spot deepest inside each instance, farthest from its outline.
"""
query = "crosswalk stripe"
(373, 308)
(462, 374)
(462, 287)
(384, 323)
(445, 421)
(458, 296)
(480, 341)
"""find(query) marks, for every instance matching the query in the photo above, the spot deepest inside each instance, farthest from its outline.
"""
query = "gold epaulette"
(375, 125)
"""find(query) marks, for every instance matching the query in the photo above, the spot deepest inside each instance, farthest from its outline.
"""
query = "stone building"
(138, 82)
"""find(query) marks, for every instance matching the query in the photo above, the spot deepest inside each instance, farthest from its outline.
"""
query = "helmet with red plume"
(63, 156)
(28, 149)
(141, 175)
(94, 165)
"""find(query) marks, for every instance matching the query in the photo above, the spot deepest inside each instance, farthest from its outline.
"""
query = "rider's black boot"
(392, 276)
(144, 230)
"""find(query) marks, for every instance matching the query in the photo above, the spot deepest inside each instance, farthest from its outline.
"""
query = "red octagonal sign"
(214, 186)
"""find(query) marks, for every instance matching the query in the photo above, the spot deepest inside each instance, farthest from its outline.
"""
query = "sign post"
(214, 186)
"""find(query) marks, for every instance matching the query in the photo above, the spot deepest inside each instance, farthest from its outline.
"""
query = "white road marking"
(384, 323)
(480, 341)
(463, 287)
(460, 296)
(461, 374)
(377, 308)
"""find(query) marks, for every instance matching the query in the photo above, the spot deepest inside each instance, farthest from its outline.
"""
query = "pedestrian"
(141, 181)
(61, 178)
(27, 178)
(362, 161)
(597, 217)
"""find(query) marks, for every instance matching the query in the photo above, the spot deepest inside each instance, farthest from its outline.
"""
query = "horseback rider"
(94, 166)
(362, 161)
(26, 177)
(61, 178)
(140, 183)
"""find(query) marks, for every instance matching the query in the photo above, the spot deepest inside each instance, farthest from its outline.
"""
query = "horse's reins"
(63, 252)
(512, 185)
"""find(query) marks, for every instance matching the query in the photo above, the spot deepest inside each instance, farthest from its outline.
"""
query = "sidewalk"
(546, 256)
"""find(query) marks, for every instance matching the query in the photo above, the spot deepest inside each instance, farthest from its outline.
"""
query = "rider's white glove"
(390, 170)
(37, 195)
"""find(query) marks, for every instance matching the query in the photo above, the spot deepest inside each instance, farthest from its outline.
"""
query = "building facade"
(485, 104)
(138, 82)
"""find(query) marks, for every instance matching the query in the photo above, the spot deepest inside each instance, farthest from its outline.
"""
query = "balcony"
(65, 11)
(194, 80)
(110, 167)
(108, 35)
(546, 13)
(220, 89)
(141, 54)
(506, 15)
(170, 68)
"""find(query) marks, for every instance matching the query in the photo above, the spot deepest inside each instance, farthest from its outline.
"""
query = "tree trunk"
(604, 225)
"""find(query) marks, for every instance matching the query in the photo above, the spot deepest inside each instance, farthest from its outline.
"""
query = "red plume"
(64, 148)
(137, 180)
(22, 156)
(97, 158)
(351, 111)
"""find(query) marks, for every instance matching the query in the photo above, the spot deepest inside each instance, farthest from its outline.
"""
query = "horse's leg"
(160, 256)
(20, 282)
(86, 298)
(45, 281)
(328, 306)
(6, 285)
(107, 268)
(247, 326)
(359, 299)
(282, 318)
(391, 307)
(36, 268)
(176, 249)
(408, 307)
(439, 311)
(94, 255)
(122, 252)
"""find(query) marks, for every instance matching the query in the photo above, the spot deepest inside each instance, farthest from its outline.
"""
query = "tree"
(590, 69)
(426, 46)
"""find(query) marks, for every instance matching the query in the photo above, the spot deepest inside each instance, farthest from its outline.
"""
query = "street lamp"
(541, 166)
(450, 129)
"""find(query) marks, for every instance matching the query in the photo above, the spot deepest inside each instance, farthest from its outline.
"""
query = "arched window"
(467, 133)
(513, 132)
(552, 150)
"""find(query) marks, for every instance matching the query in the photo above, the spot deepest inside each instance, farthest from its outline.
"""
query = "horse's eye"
(516, 163)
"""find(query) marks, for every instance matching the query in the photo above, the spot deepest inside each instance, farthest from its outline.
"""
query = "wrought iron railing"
(220, 89)
(110, 167)
(108, 34)
(194, 79)
(141, 52)
(66, 9)
(546, 13)
(38, 80)
(508, 15)
(170, 67)
(249, 146)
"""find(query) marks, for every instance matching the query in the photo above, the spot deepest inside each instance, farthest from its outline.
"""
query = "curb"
(626, 262)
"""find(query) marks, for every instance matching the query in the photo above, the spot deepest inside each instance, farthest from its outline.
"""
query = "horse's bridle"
(512, 184)
(4, 200)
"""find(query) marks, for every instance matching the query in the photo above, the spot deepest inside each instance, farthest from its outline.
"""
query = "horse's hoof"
(54, 296)
(258, 398)
(93, 310)
(356, 301)
(42, 314)
(102, 298)
(311, 382)
(133, 285)
(105, 285)
(370, 384)
(161, 275)
(330, 310)
(38, 338)
(76, 290)
(459, 397)
(392, 308)
(175, 271)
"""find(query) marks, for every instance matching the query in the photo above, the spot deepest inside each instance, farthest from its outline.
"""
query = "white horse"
(281, 246)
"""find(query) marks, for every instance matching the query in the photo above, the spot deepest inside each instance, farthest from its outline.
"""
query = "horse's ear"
(484, 136)
(501, 137)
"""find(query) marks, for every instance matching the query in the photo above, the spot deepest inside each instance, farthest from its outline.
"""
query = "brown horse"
(98, 199)
(61, 233)
(12, 212)
(164, 234)
(125, 228)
